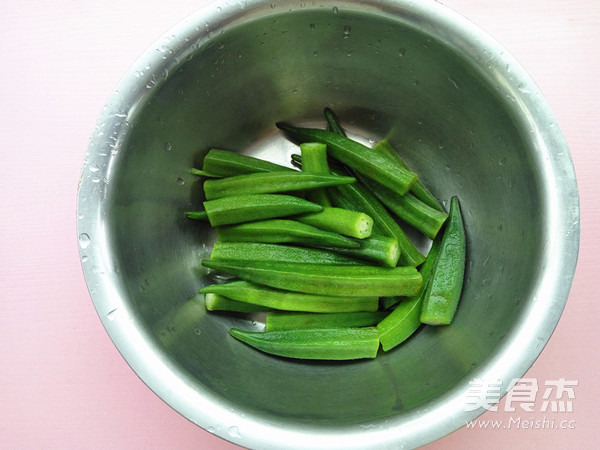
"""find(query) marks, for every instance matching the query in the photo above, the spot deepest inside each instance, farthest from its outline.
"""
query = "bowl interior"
(450, 115)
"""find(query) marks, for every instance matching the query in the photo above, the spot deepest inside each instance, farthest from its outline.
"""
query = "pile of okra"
(321, 248)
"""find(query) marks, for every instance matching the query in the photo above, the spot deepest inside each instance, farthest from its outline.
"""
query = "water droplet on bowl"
(234, 432)
(111, 314)
(84, 240)
(347, 31)
(454, 82)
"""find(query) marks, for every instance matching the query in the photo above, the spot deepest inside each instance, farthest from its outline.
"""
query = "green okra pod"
(323, 279)
(270, 183)
(405, 319)
(217, 302)
(381, 250)
(290, 320)
(339, 220)
(445, 286)
(246, 208)
(328, 344)
(362, 199)
(359, 157)
(314, 155)
(418, 188)
(357, 197)
(409, 209)
(281, 299)
(226, 163)
(282, 231)
(255, 251)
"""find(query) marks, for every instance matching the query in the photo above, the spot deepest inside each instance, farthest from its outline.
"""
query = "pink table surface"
(62, 382)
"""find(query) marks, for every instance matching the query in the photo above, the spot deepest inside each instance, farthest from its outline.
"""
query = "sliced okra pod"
(290, 320)
(217, 302)
(328, 344)
(225, 163)
(246, 208)
(325, 279)
(257, 294)
(362, 199)
(314, 155)
(381, 250)
(281, 231)
(418, 189)
(339, 220)
(405, 319)
(257, 251)
(270, 183)
(445, 286)
(409, 209)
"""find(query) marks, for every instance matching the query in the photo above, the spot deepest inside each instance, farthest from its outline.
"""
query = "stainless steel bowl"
(457, 106)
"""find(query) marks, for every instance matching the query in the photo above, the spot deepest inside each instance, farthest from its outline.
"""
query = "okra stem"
(270, 183)
(246, 208)
(281, 299)
(197, 215)
(329, 344)
(202, 173)
(333, 123)
(353, 281)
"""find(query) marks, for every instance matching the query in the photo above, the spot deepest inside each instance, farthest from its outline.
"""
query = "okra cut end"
(364, 226)
(442, 315)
